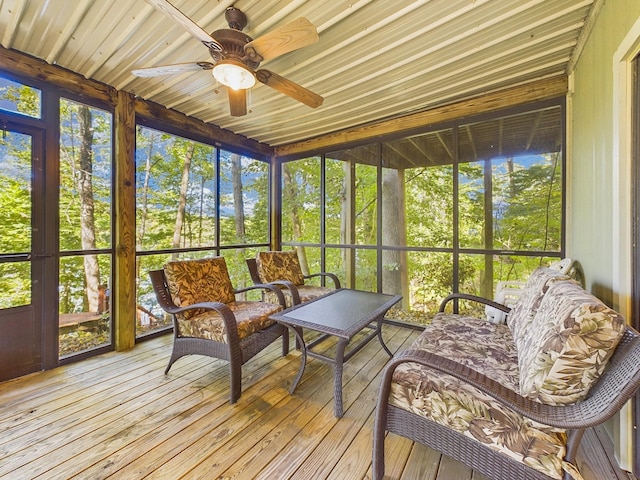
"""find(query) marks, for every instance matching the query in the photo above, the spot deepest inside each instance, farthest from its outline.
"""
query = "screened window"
(449, 209)
(194, 200)
(19, 98)
(85, 233)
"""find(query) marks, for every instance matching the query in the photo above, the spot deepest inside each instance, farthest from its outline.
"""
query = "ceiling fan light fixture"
(234, 74)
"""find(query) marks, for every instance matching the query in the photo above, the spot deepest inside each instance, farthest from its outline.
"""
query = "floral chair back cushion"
(275, 265)
(194, 281)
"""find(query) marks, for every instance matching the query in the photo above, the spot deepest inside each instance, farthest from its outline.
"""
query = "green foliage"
(429, 189)
(525, 210)
(26, 99)
(15, 284)
(15, 217)
(336, 191)
(301, 200)
(159, 167)
(366, 203)
(529, 206)
(15, 194)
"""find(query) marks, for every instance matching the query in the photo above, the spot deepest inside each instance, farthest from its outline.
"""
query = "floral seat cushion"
(575, 335)
(487, 348)
(306, 292)
(251, 317)
(277, 265)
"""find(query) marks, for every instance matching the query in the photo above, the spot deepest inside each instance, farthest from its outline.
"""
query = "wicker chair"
(209, 321)
(283, 268)
(613, 389)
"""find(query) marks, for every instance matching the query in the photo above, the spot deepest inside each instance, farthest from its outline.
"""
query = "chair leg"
(235, 377)
(166, 370)
(380, 425)
(377, 463)
(285, 341)
(174, 356)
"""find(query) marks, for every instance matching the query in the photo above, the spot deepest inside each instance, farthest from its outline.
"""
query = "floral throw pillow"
(523, 312)
(273, 266)
(572, 336)
(194, 281)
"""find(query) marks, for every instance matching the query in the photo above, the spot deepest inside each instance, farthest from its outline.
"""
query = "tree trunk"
(347, 221)
(238, 201)
(292, 193)
(512, 186)
(144, 194)
(182, 201)
(87, 214)
(393, 261)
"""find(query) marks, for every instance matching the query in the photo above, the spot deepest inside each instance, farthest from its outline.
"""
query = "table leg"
(384, 345)
(297, 331)
(337, 378)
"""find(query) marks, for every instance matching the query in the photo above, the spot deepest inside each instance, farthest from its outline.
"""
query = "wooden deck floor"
(118, 416)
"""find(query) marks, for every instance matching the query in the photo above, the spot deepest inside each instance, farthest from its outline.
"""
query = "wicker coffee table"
(343, 313)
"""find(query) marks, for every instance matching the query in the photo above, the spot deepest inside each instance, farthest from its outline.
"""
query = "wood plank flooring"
(118, 416)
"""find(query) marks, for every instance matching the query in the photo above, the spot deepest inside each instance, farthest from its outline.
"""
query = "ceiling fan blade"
(193, 28)
(237, 102)
(170, 69)
(289, 88)
(284, 39)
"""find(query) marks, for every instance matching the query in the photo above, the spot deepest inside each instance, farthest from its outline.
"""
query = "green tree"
(85, 203)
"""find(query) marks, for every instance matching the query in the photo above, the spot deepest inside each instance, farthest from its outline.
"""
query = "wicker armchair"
(209, 321)
(283, 268)
(456, 389)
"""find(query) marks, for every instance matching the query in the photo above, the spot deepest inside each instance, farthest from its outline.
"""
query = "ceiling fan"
(236, 56)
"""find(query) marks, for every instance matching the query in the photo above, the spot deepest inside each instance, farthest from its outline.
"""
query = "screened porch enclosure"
(459, 207)
(455, 206)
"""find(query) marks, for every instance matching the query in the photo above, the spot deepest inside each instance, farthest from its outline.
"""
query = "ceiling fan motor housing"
(233, 42)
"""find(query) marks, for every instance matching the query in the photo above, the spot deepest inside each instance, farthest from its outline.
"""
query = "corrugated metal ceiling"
(375, 59)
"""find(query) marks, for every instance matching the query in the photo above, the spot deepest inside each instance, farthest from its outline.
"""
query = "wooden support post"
(124, 296)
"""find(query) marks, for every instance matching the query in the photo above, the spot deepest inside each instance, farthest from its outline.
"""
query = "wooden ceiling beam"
(41, 72)
(491, 101)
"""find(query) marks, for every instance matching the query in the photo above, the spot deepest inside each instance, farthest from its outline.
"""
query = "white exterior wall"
(599, 223)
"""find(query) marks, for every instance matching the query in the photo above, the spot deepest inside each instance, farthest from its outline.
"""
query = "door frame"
(40, 258)
(635, 225)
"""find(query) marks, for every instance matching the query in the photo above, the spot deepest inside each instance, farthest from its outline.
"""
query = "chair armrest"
(473, 298)
(173, 309)
(588, 413)
(225, 312)
(295, 295)
(267, 286)
(333, 277)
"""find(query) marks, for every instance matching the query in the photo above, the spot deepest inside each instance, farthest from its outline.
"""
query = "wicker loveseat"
(512, 400)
